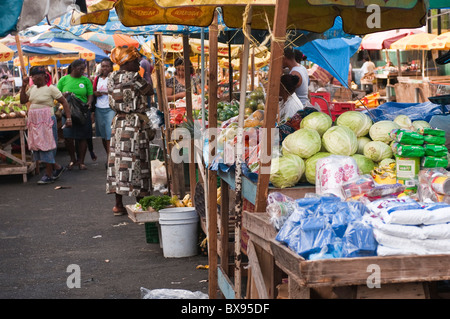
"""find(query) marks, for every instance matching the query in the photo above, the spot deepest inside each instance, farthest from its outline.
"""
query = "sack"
(78, 110)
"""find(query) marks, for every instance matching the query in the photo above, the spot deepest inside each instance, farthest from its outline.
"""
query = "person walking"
(41, 123)
(103, 112)
(128, 170)
(81, 86)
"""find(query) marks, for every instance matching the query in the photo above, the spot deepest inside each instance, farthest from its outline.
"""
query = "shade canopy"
(417, 41)
(302, 15)
(383, 40)
(441, 42)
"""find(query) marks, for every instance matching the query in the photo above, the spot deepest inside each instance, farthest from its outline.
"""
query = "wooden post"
(212, 175)
(240, 160)
(162, 101)
(190, 118)
(271, 109)
(19, 50)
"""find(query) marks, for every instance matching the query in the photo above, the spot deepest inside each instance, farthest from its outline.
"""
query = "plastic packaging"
(431, 139)
(359, 241)
(358, 187)
(332, 172)
(435, 150)
(385, 190)
(406, 137)
(431, 131)
(410, 150)
(432, 161)
(279, 207)
(171, 294)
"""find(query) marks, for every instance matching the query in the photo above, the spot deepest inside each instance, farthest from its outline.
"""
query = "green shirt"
(81, 87)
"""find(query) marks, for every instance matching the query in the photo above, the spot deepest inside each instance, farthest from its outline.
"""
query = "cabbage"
(358, 122)
(404, 122)
(304, 142)
(310, 164)
(286, 170)
(365, 164)
(420, 124)
(362, 141)
(380, 131)
(386, 162)
(340, 140)
(318, 121)
(377, 151)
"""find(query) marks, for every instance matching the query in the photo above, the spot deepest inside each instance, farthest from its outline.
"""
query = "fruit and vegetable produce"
(365, 165)
(10, 108)
(286, 170)
(340, 140)
(304, 142)
(318, 121)
(377, 151)
(380, 131)
(358, 122)
(362, 141)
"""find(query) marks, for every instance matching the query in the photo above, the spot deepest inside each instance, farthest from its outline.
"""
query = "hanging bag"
(78, 110)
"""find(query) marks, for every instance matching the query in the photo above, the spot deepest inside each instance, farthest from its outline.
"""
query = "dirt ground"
(48, 236)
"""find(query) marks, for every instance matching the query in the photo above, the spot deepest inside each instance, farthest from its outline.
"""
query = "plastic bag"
(159, 176)
(171, 294)
(359, 241)
(332, 172)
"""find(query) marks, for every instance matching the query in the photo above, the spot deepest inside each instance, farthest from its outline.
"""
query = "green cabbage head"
(310, 163)
(304, 142)
(365, 164)
(286, 170)
(377, 151)
(340, 140)
(362, 141)
(358, 122)
(318, 121)
(380, 131)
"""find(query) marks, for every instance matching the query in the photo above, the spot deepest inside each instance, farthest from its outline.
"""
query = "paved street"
(43, 230)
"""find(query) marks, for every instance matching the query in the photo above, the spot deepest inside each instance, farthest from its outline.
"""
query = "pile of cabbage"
(353, 134)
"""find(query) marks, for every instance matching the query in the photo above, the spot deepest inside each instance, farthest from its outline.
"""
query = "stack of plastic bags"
(403, 226)
(321, 227)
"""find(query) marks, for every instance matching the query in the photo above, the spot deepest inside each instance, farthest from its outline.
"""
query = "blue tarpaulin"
(333, 55)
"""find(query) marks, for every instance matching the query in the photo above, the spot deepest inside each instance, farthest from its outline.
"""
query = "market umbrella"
(441, 42)
(383, 40)
(84, 53)
(302, 15)
(6, 54)
(417, 41)
(108, 41)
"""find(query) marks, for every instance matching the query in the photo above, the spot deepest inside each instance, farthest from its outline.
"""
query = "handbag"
(78, 110)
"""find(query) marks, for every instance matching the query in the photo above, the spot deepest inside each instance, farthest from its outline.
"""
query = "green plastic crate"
(151, 233)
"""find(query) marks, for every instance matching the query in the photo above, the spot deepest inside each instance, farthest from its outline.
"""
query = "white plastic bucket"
(179, 231)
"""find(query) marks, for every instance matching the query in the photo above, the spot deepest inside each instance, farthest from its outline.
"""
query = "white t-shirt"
(302, 90)
(103, 100)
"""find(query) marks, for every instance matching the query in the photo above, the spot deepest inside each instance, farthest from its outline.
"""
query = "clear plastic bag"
(359, 241)
(171, 294)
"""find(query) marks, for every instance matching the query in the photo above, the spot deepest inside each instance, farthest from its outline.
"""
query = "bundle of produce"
(10, 108)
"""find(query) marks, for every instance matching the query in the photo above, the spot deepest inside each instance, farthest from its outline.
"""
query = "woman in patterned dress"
(128, 170)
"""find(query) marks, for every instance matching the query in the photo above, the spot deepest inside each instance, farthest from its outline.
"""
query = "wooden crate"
(142, 216)
(13, 124)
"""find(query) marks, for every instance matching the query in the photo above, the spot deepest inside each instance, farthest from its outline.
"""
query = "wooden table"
(20, 165)
(397, 276)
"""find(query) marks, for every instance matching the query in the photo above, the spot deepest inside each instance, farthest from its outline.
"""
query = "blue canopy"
(41, 50)
(333, 55)
(99, 53)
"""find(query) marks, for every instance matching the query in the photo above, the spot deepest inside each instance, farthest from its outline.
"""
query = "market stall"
(341, 140)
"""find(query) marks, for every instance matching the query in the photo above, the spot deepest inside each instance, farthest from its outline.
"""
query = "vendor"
(295, 68)
(176, 86)
(367, 67)
(290, 103)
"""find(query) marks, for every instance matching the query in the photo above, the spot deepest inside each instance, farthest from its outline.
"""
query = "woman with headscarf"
(41, 123)
(128, 170)
(81, 86)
